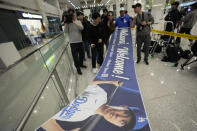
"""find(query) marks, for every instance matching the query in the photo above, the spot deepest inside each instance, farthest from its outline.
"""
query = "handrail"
(29, 54)
(37, 97)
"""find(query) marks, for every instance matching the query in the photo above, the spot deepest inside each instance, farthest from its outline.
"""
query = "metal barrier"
(24, 84)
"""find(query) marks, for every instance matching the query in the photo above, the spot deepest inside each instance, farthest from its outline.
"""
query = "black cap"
(175, 3)
(137, 5)
(79, 13)
(105, 10)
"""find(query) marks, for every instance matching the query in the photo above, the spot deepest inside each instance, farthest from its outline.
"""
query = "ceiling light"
(107, 2)
(86, 2)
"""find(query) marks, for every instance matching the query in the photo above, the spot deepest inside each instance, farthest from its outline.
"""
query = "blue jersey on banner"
(112, 102)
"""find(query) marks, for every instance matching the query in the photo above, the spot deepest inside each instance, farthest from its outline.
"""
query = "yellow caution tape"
(193, 37)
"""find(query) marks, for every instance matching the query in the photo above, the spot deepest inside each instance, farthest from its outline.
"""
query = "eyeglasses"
(110, 15)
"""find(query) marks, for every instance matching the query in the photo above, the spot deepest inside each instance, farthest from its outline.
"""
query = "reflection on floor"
(169, 94)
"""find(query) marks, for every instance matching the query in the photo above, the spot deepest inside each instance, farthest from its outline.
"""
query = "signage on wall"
(28, 15)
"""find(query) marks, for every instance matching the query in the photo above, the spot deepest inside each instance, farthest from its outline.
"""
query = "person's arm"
(101, 34)
(52, 125)
(66, 28)
(133, 22)
(129, 22)
(91, 36)
(116, 83)
(78, 24)
(151, 19)
(187, 18)
(116, 23)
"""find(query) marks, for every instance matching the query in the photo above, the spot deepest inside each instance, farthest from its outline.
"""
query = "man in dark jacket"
(109, 28)
(96, 41)
(173, 15)
(86, 25)
(188, 23)
(104, 16)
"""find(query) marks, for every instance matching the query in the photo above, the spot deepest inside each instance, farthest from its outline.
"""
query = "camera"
(67, 16)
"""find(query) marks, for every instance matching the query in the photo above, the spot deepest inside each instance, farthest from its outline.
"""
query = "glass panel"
(18, 88)
(52, 51)
(64, 70)
(49, 104)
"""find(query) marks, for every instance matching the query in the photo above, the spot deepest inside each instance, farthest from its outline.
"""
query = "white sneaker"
(95, 70)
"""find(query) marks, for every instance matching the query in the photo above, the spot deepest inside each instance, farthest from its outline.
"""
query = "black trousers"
(86, 48)
(97, 51)
(184, 31)
(77, 53)
(140, 40)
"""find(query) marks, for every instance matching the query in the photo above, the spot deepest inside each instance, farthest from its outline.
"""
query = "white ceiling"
(80, 3)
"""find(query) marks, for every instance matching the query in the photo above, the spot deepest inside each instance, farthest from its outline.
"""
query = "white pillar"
(129, 7)
(43, 13)
(58, 8)
(117, 8)
(111, 7)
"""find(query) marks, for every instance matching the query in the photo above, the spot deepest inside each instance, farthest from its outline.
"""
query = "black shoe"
(83, 66)
(138, 61)
(146, 61)
(79, 71)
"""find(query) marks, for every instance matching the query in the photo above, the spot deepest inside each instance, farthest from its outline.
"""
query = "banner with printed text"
(112, 102)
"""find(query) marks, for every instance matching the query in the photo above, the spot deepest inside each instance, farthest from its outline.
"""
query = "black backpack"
(194, 48)
(173, 53)
(185, 54)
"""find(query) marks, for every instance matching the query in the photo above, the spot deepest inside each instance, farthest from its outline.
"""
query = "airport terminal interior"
(41, 81)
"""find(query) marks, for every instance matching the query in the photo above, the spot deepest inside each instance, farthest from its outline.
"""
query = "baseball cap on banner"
(141, 119)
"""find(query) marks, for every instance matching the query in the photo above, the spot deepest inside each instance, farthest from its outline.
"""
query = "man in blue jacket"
(122, 21)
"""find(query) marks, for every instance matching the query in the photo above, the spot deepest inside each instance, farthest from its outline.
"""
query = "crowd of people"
(183, 20)
(90, 37)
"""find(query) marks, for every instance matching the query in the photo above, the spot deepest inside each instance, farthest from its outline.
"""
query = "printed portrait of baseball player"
(94, 101)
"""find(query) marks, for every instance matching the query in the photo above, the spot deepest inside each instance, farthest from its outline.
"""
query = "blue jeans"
(86, 48)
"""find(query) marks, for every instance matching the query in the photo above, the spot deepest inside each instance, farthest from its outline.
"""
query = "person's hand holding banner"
(118, 83)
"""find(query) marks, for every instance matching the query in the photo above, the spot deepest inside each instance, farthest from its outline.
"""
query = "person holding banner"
(143, 21)
(123, 20)
(94, 101)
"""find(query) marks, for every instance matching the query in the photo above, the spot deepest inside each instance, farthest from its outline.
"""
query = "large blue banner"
(112, 102)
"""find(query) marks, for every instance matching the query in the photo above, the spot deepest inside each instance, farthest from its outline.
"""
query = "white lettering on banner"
(71, 109)
(120, 58)
(123, 34)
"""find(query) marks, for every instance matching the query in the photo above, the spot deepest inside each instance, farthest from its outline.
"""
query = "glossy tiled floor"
(169, 94)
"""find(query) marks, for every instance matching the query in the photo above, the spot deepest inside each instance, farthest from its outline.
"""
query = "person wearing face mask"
(123, 20)
(174, 16)
(93, 102)
(109, 27)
